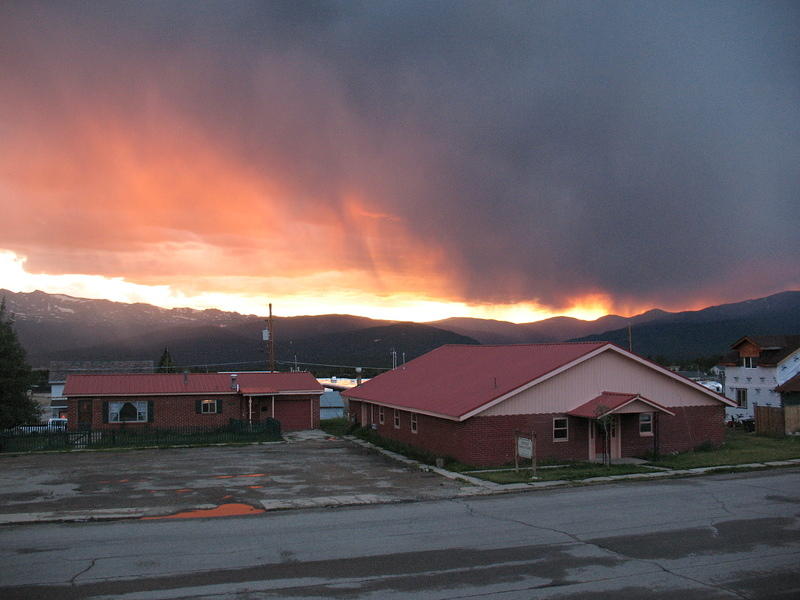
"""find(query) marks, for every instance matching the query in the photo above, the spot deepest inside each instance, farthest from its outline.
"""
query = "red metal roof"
(454, 380)
(611, 401)
(171, 384)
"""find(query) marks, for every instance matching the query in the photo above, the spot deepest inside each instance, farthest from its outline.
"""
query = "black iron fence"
(140, 437)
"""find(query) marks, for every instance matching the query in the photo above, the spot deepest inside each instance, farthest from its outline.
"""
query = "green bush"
(339, 426)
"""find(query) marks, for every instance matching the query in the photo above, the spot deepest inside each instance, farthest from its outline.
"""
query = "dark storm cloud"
(650, 150)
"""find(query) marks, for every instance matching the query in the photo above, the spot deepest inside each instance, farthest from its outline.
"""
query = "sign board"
(265, 335)
(524, 447)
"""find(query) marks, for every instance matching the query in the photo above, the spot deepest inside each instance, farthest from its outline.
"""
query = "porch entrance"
(597, 439)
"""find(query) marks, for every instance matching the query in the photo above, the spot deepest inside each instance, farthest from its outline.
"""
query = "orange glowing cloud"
(194, 165)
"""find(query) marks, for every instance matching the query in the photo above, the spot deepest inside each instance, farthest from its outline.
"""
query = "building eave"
(405, 408)
(284, 393)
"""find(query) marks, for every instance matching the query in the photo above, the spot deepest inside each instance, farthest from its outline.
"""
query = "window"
(414, 422)
(127, 412)
(396, 419)
(210, 407)
(741, 397)
(646, 424)
(560, 429)
(749, 362)
(381, 417)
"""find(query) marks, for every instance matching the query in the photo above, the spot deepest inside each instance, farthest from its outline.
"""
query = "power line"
(228, 364)
(282, 362)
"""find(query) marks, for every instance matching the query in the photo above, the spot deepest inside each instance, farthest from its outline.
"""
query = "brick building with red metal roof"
(469, 403)
(167, 400)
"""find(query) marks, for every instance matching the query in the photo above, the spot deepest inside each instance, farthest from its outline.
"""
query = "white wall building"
(755, 366)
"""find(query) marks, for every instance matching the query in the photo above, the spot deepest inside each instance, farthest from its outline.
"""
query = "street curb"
(82, 516)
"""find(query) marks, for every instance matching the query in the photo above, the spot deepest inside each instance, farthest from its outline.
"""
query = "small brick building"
(470, 402)
(169, 400)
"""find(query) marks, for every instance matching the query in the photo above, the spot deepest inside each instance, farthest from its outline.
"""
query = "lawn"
(568, 472)
(740, 448)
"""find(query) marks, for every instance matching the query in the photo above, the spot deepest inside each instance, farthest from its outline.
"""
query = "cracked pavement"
(722, 536)
(309, 470)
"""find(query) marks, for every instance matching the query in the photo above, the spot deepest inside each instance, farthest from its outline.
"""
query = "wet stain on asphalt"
(744, 535)
(789, 499)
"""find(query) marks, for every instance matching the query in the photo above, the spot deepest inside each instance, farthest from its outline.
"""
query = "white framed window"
(396, 419)
(127, 412)
(560, 429)
(208, 407)
(741, 397)
(749, 362)
(646, 424)
(381, 416)
(414, 422)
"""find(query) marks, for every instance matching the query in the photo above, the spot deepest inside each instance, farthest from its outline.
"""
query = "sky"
(403, 160)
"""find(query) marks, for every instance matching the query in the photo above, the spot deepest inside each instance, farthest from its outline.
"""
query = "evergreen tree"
(165, 363)
(16, 407)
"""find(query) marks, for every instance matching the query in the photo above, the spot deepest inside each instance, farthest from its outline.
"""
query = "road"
(726, 536)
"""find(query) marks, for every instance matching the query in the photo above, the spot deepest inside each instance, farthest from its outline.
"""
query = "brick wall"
(484, 441)
(294, 413)
(690, 427)
(480, 440)
(633, 443)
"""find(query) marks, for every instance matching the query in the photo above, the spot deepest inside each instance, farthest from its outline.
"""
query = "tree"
(16, 406)
(165, 363)
(603, 417)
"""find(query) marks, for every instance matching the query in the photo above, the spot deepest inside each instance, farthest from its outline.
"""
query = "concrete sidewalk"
(309, 470)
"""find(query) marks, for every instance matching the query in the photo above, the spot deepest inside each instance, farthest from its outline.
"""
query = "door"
(85, 414)
(598, 445)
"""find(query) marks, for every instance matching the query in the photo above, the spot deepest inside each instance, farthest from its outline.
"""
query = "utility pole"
(630, 339)
(269, 337)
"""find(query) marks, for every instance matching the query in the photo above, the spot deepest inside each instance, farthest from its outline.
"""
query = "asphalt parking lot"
(308, 469)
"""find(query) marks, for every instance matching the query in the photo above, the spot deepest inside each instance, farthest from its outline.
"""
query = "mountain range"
(59, 327)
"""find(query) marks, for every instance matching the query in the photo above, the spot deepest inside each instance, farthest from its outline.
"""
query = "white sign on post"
(524, 447)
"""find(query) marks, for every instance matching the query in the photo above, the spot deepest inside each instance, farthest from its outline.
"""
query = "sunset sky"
(406, 160)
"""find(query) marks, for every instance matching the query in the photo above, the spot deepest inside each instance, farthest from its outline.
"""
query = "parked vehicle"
(55, 424)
